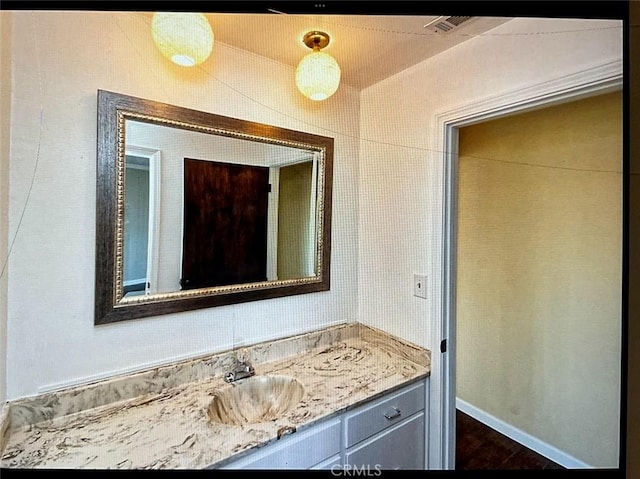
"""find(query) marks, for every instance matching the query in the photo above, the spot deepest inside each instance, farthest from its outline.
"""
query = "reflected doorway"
(141, 217)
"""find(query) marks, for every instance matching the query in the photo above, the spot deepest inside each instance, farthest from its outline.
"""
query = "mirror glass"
(203, 210)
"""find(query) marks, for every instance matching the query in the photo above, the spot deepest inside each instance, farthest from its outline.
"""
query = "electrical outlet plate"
(420, 285)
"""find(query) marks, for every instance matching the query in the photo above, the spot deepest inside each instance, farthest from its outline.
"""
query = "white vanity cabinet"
(387, 433)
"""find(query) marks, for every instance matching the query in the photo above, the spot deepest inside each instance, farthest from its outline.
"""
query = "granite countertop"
(157, 419)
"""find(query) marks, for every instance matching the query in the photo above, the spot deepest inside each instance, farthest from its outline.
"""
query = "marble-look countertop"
(157, 419)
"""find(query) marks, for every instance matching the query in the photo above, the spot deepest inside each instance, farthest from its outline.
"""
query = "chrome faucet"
(241, 369)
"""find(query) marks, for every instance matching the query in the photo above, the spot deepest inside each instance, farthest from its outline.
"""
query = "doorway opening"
(596, 81)
(538, 277)
(142, 214)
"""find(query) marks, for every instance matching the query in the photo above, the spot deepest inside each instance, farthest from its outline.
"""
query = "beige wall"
(633, 373)
(539, 274)
(5, 132)
(293, 218)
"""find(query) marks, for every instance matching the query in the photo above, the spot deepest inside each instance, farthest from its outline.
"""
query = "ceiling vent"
(445, 24)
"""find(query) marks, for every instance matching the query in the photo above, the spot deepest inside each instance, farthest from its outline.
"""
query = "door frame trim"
(595, 80)
(153, 257)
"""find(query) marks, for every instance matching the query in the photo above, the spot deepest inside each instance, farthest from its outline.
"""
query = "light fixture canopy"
(316, 39)
(318, 73)
(184, 38)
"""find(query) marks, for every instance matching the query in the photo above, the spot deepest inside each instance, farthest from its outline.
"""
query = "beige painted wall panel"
(293, 218)
(539, 274)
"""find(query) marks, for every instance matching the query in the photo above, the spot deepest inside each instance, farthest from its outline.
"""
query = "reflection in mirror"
(201, 210)
(136, 226)
(231, 211)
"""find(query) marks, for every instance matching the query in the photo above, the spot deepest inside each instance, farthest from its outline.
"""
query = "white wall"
(401, 213)
(60, 60)
(5, 129)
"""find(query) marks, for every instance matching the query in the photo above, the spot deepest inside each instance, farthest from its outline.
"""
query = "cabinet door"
(333, 463)
(301, 450)
(398, 447)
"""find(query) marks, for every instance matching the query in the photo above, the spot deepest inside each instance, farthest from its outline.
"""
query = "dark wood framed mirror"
(196, 210)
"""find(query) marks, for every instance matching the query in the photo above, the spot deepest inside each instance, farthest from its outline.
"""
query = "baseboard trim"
(526, 439)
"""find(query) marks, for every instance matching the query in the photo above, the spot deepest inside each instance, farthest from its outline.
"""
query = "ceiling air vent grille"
(445, 24)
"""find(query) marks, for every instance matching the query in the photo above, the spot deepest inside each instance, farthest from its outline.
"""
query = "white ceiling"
(368, 48)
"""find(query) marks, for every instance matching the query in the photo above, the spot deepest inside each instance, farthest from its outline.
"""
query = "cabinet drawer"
(371, 419)
(298, 451)
(398, 447)
(330, 464)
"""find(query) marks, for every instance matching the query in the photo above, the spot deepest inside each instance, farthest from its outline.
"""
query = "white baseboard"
(527, 440)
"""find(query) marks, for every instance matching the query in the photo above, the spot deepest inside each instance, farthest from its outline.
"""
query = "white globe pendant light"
(318, 74)
(184, 38)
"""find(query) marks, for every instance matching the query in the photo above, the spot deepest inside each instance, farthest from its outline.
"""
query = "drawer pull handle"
(392, 413)
(285, 431)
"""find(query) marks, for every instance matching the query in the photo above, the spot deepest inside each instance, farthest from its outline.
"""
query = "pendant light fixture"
(318, 74)
(184, 38)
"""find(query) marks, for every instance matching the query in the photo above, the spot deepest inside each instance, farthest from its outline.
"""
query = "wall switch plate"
(420, 285)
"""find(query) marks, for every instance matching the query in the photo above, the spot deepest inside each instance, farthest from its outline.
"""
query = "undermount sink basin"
(255, 399)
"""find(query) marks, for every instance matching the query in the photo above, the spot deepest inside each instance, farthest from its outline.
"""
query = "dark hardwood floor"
(480, 447)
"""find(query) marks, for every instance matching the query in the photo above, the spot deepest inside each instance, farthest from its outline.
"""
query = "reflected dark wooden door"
(225, 224)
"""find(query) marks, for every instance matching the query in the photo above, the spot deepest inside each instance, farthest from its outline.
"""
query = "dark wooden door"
(225, 224)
